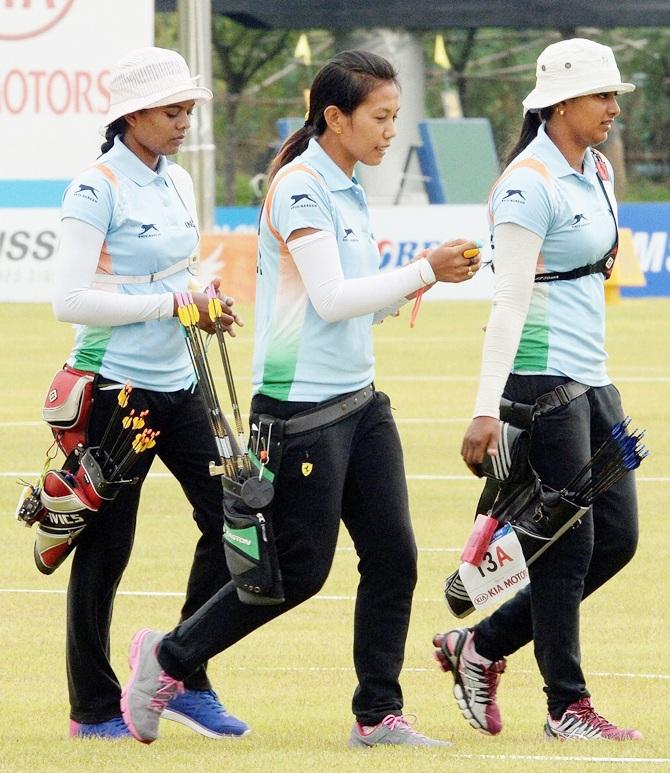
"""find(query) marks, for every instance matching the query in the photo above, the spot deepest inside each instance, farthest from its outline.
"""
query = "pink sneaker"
(475, 678)
(580, 721)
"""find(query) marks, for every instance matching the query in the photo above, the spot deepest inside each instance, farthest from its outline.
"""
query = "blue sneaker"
(113, 729)
(202, 711)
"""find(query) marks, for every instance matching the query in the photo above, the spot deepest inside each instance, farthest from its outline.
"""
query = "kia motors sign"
(21, 19)
(55, 60)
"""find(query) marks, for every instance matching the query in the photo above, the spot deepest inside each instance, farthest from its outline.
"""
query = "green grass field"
(292, 680)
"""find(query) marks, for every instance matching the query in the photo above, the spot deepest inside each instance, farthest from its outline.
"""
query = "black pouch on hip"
(248, 536)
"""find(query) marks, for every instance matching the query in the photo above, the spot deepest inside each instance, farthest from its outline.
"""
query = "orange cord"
(416, 307)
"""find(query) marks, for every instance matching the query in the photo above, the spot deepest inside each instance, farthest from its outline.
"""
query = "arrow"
(121, 402)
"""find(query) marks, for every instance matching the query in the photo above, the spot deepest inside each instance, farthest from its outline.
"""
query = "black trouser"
(186, 446)
(357, 475)
(585, 557)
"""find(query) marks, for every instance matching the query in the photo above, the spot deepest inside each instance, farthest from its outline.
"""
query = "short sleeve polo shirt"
(148, 228)
(564, 332)
(298, 356)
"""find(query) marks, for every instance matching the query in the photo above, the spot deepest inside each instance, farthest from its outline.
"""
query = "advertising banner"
(55, 58)
(402, 232)
(650, 224)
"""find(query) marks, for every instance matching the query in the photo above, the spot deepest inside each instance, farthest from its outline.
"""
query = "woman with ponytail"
(128, 228)
(319, 290)
(554, 229)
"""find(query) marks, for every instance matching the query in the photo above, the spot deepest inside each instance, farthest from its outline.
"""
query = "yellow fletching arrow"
(182, 313)
(193, 312)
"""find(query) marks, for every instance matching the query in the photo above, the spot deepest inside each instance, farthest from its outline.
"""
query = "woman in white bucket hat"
(554, 229)
(129, 227)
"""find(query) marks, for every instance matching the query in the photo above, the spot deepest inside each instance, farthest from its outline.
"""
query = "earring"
(561, 112)
(338, 130)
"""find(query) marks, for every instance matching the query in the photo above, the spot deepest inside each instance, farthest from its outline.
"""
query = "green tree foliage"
(257, 80)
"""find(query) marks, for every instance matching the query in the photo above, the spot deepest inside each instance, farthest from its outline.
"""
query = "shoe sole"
(133, 657)
(449, 664)
(182, 719)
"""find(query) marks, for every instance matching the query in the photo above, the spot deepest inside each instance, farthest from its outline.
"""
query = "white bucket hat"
(574, 68)
(151, 77)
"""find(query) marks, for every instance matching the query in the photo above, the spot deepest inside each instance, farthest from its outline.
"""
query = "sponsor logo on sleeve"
(514, 195)
(302, 200)
(87, 192)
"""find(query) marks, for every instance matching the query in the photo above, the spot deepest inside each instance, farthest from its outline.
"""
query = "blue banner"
(650, 224)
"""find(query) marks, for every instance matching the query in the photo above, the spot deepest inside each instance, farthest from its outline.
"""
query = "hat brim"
(199, 94)
(542, 97)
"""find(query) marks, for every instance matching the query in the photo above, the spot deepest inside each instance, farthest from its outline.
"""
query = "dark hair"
(531, 123)
(345, 81)
(114, 128)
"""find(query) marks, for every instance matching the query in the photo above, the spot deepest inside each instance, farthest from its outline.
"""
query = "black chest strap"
(606, 263)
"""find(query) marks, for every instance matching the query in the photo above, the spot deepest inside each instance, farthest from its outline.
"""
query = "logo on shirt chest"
(189, 223)
(301, 200)
(148, 230)
(514, 195)
(349, 235)
(580, 221)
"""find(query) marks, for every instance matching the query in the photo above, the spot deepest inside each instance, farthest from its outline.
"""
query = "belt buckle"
(562, 394)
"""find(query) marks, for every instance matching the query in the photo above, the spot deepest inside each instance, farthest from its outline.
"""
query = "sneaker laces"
(492, 676)
(168, 689)
(402, 722)
(210, 698)
(486, 677)
(585, 711)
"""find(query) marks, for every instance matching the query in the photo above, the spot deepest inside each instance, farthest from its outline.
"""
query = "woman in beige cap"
(129, 227)
(554, 228)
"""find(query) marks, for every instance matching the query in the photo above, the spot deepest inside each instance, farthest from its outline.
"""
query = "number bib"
(502, 571)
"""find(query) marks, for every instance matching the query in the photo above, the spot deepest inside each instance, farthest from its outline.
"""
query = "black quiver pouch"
(539, 515)
(248, 536)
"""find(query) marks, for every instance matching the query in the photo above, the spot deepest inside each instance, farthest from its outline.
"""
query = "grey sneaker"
(475, 678)
(149, 687)
(395, 730)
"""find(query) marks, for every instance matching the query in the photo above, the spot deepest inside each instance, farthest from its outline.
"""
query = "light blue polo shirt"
(297, 355)
(564, 332)
(147, 228)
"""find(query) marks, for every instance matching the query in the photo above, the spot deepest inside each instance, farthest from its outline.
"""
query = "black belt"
(522, 414)
(328, 413)
(560, 395)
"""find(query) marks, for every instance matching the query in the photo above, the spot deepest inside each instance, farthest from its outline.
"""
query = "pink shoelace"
(169, 688)
(402, 721)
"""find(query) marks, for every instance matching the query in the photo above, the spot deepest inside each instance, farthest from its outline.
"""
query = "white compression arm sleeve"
(75, 299)
(388, 311)
(336, 298)
(516, 253)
